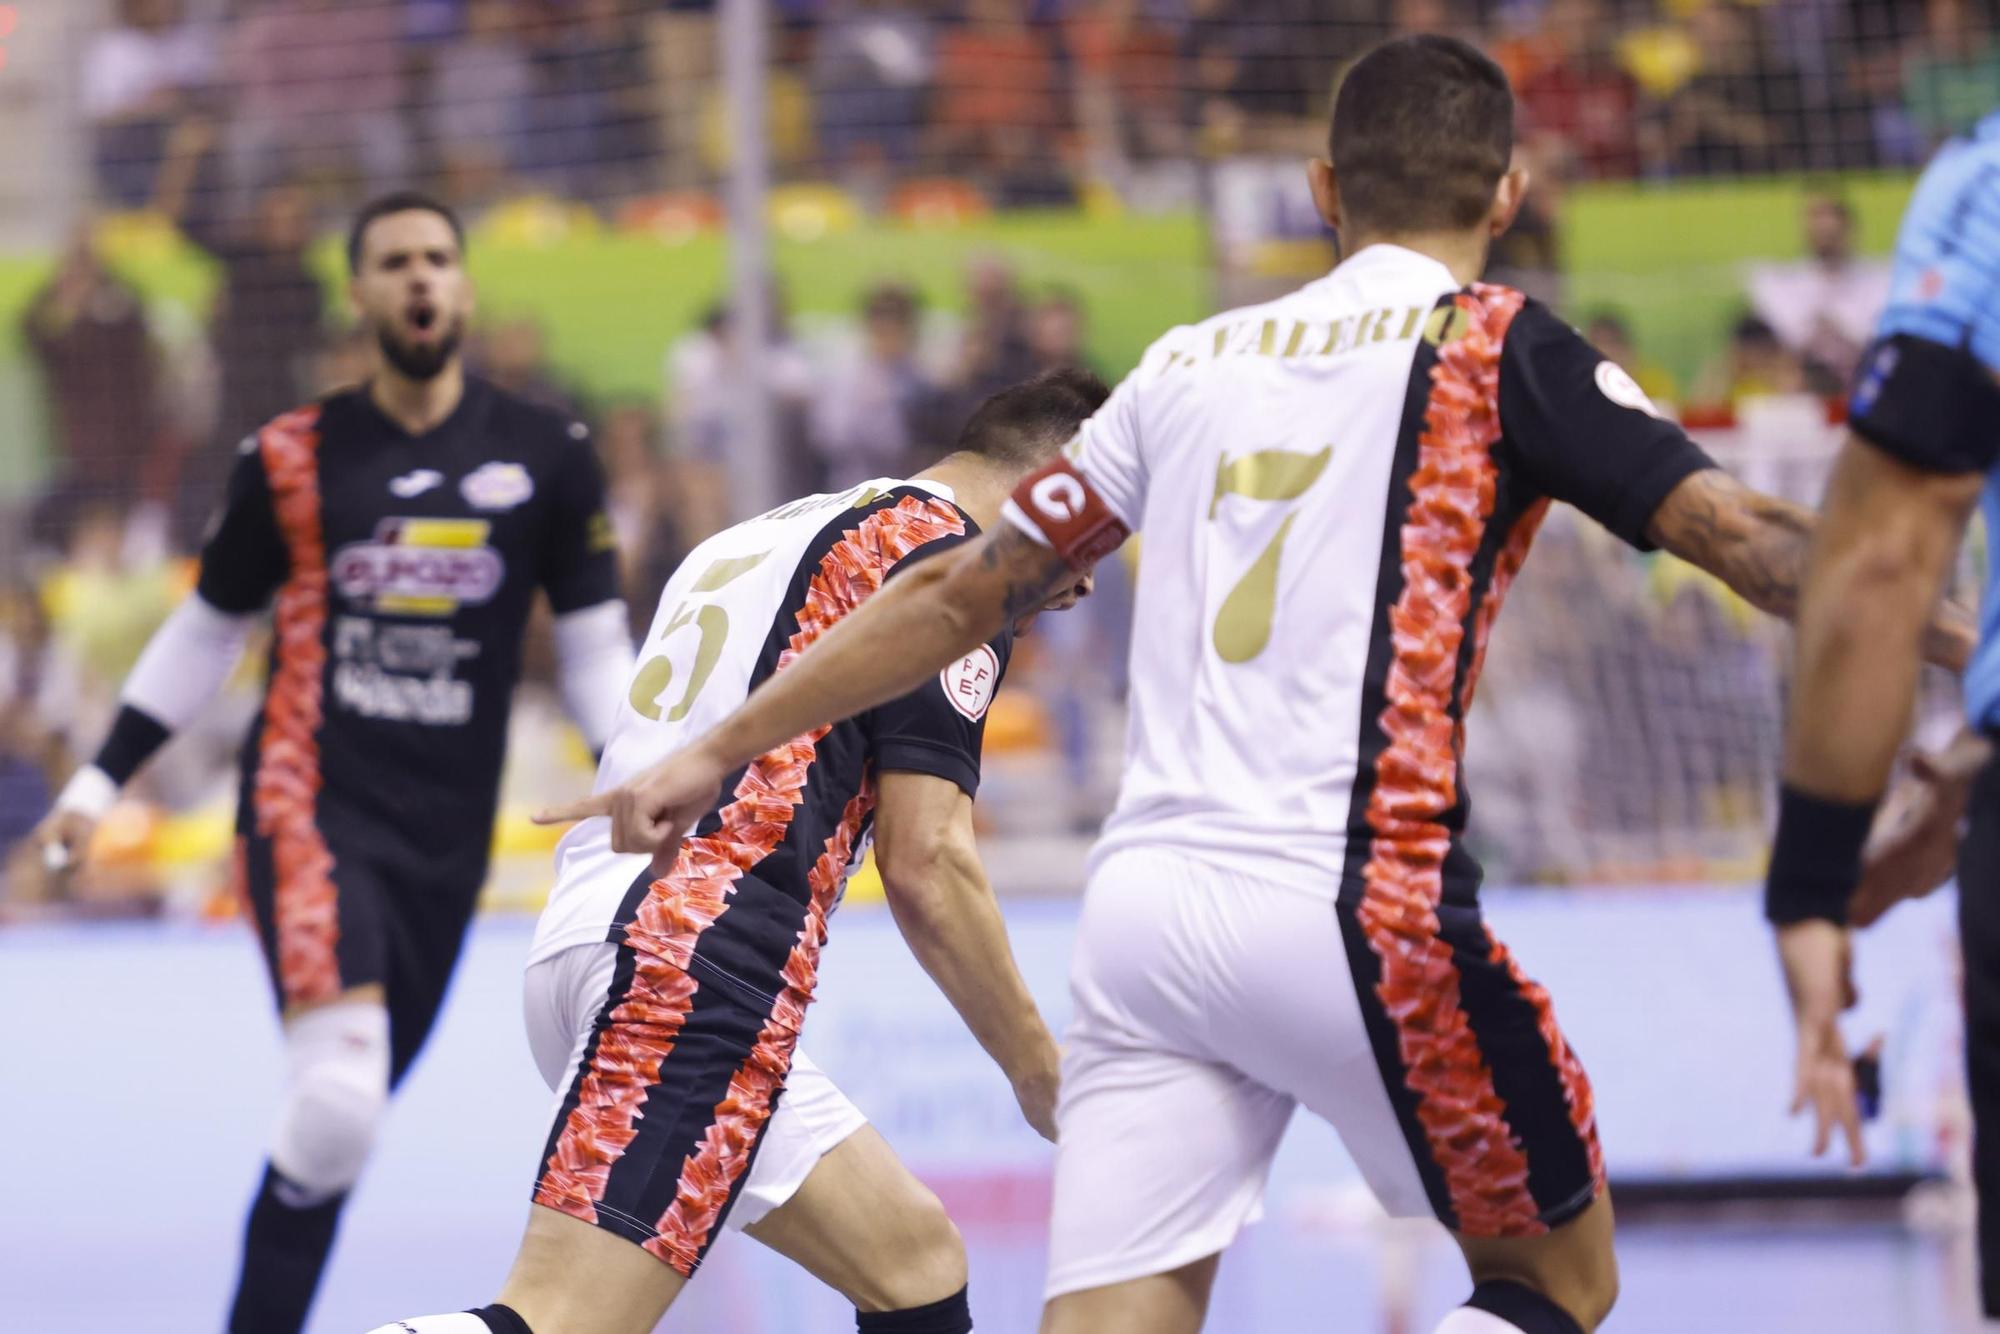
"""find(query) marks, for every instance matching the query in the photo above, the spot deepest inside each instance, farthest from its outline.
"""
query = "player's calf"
(1564, 1282)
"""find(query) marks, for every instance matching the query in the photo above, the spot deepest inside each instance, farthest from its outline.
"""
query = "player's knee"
(335, 1093)
(928, 1259)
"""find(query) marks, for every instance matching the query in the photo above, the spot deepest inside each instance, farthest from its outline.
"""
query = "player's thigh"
(865, 1226)
(1172, 1303)
(1573, 1264)
(572, 1278)
(320, 920)
(1477, 1111)
(670, 1095)
(1162, 1160)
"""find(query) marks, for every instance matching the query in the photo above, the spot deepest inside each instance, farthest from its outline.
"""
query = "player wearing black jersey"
(402, 529)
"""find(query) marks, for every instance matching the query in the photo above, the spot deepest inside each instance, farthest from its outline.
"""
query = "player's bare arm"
(946, 910)
(897, 640)
(1885, 544)
(1758, 545)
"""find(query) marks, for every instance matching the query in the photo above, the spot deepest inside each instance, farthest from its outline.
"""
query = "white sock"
(461, 1322)
(1469, 1320)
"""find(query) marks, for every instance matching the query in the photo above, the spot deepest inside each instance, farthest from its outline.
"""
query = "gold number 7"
(1243, 625)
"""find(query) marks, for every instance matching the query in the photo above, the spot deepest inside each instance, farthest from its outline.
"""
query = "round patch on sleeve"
(969, 683)
(1615, 384)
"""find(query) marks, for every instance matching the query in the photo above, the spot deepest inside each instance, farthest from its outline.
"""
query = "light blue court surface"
(138, 1068)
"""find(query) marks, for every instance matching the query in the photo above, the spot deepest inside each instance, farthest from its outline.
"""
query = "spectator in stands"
(1056, 331)
(590, 117)
(872, 60)
(1578, 92)
(87, 334)
(1823, 307)
(994, 351)
(478, 100)
(266, 329)
(1610, 334)
(996, 88)
(1128, 82)
(873, 415)
(37, 711)
(1740, 112)
(1756, 364)
(139, 78)
(644, 495)
(702, 382)
(318, 86)
(1952, 76)
(513, 355)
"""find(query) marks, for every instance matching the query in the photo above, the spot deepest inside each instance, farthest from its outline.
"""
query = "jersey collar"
(1383, 256)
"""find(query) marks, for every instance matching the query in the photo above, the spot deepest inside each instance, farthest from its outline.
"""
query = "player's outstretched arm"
(945, 908)
(925, 619)
(1758, 544)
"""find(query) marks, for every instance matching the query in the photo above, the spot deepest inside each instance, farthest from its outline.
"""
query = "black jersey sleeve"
(1584, 431)
(580, 561)
(939, 727)
(244, 559)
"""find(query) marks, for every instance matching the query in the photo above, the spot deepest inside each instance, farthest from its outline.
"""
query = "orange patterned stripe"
(285, 792)
(670, 919)
(1452, 495)
(710, 1173)
(1512, 556)
(1575, 1084)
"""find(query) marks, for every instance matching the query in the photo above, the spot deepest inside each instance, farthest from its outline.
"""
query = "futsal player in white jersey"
(1336, 490)
(664, 1008)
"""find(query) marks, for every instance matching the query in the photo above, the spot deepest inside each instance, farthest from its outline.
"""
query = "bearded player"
(400, 531)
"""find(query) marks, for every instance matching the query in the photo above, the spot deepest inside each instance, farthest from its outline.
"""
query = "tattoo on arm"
(1032, 572)
(1753, 542)
(1757, 544)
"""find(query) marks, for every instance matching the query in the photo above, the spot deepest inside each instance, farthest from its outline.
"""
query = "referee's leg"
(1979, 934)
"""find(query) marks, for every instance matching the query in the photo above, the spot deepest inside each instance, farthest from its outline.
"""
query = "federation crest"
(969, 683)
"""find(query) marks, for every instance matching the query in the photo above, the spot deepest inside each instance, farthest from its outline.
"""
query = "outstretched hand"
(652, 811)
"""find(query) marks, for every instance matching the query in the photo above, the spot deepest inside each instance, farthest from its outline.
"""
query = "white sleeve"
(1107, 450)
(186, 662)
(594, 657)
(1089, 500)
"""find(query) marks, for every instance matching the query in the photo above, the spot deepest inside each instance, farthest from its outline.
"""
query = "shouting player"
(1922, 451)
(665, 1009)
(403, 528)
(1336, 489)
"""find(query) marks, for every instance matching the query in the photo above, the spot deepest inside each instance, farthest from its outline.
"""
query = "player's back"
(1332, 508)
(740, 606)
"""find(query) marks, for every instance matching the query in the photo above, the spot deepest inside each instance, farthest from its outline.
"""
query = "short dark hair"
(400, 201)
(1027, 424)
(1423, 130)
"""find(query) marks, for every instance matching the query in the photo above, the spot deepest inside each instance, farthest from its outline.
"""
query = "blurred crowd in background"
(252, 126)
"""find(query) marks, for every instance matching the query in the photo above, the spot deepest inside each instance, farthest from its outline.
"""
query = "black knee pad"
(953, 1315)
(1521, 1306)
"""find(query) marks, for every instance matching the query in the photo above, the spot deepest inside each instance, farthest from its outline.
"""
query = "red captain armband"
(1062, 505)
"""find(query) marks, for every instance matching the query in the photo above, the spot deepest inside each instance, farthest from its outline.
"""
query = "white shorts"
(564, 996)
(1209, 1005)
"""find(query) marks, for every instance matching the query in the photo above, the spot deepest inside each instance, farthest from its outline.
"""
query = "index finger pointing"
(588, 807)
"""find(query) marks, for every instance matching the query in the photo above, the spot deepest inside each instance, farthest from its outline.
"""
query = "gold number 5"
(657, 673)
(1243, 626)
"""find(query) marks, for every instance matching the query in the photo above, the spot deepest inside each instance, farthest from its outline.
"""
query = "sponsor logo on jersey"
(496, 486)
(1615, 384)
(969, 683)
(420, 567)
(415, 483)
